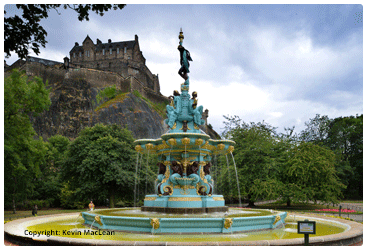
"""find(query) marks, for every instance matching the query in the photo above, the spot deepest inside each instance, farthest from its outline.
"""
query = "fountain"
(184, 207)
(184, 183)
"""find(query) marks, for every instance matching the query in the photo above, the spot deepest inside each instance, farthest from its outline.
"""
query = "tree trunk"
(14, 210)
(288, 203)
(14, 190)
(112, 199)
(251, 202)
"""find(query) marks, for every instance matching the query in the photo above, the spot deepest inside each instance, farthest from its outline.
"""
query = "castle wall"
(96, 78)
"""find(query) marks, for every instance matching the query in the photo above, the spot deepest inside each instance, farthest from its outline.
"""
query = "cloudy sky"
(279, 63)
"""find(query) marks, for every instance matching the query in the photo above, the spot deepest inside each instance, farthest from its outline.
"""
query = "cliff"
(74, 104)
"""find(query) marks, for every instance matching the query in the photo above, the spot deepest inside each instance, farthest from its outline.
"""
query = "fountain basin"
(330, 231)
(166, 224)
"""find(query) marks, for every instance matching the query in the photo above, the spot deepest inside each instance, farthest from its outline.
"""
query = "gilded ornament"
(150, 198)
(230, 149)
(138, 148)
(185, 199)
(155, 223)
(277, 219)
(150, 146)
(174, 126)
(201, 173)
(196, 126)
(168, 189)
(220, 147)
(228, 222)
(184, 87)
(167, 173)
(172, 141)
(184, 187)
(185, 141)
(98, 220)
(198, 141)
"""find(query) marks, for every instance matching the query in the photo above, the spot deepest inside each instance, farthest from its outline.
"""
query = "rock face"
(135, 113)
(74, 107)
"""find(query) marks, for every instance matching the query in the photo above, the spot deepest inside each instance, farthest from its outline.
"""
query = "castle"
(124, 58)
(102, 65)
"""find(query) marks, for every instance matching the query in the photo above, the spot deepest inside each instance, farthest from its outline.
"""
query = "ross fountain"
(184, 207)
(184, 183)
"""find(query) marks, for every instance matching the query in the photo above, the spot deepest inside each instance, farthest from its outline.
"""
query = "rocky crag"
(74, 106)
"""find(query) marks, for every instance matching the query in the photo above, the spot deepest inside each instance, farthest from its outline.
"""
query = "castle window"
(88, 54)
(117, 50)
(128, 57)
(125, 49)
(110, 65)
(110, 50)
(74, 55)
(103, 51)
(98, 66)
(80, 54)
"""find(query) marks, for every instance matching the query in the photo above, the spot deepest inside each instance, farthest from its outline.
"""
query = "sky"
(281, 64)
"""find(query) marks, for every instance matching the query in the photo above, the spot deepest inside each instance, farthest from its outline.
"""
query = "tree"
(49, 184)
(100, 164)
(256, 155)
(309, 174)
(345, 138)
(20, 33)
(23, 155)
(317, 130)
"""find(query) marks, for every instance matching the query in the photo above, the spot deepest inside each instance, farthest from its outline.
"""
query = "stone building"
(124, 58)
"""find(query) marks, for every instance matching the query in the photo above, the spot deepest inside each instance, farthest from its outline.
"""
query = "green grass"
(299, 207)
(8, 215)
(117, 99)
(158, 107)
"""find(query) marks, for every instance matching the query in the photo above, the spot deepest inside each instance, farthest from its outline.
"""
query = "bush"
(67, 199)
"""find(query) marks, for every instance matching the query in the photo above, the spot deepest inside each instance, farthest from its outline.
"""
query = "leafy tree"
(309, 174)
(343, 135)
(49, 185)
(317, 130)
(22, 33)
(256, 156)
(345, 138)
(100, 164)
(23, 155)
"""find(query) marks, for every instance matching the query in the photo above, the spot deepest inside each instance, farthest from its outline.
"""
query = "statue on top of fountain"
(182, 110)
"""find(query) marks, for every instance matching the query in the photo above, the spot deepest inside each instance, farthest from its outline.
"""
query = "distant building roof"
(43, 61)
(113, 45)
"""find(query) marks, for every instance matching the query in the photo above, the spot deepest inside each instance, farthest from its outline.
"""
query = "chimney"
(76, 44)
(136, 37)
(109, 40)
(66, 62)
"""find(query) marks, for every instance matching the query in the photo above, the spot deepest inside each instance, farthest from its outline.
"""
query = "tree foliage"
(256, 156)
(309, 174)
(272, 165)
(23, 155)
(344, 136)
(100, 164)
(25, 32)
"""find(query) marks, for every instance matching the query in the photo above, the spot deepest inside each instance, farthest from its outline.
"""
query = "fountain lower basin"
(238, 221)
(330, 231)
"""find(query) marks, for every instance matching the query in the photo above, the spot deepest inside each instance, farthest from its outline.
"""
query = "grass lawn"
(8, 215)
(300, 207)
